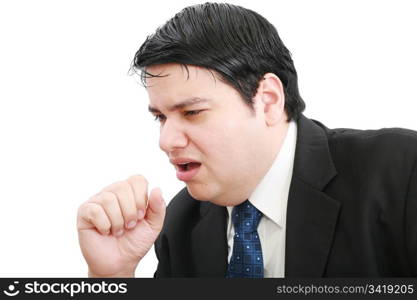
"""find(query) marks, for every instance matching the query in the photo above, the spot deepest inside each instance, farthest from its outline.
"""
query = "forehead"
(175, 81)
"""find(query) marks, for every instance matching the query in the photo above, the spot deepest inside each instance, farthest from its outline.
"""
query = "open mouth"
(188, 166)
(188, 170)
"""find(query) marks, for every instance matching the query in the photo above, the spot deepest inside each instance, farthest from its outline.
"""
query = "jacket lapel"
(311, 214)
(209, 242)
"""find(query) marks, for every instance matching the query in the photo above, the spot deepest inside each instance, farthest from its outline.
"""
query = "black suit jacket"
(352, 211)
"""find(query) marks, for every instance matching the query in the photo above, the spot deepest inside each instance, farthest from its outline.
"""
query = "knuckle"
(108, 198)
(123, 186)
(138, 179)
(120, 187)
(93, 211)
(84, 209)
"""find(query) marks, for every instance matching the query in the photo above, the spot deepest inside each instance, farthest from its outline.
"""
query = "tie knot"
(246, 217)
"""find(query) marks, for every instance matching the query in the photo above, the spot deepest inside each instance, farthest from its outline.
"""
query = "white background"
(72, 121)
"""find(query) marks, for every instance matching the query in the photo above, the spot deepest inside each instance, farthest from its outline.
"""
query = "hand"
(118, 226)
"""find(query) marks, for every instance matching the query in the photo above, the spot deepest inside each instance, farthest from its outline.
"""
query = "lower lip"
(187, 175)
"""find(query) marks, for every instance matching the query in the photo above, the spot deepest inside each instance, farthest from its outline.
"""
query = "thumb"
(155, 212)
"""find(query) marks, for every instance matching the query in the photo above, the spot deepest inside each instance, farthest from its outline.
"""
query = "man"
(269, 192)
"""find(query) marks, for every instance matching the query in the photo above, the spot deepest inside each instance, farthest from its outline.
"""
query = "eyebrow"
(185, 103)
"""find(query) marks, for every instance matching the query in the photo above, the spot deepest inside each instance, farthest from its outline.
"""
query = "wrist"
(115, 275)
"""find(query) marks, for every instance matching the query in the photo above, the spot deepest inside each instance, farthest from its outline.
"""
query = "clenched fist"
(118, 226)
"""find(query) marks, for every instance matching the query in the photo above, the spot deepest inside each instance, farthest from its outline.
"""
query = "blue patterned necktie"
(246, 260)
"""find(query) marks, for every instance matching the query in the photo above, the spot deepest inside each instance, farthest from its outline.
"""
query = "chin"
(197, 193)
(200, 192)
(205, 194)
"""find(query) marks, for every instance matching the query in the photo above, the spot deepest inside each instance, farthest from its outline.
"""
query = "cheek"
(225, 151)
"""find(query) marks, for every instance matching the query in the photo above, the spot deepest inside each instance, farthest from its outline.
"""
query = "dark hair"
(237, 43)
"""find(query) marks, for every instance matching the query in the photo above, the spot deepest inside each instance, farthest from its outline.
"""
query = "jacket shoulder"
(359, 134)
(362, 157)
(394, 142)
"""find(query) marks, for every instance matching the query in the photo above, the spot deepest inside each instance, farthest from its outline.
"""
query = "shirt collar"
(271, 194)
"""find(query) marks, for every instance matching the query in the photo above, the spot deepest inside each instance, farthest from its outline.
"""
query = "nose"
(172, 136)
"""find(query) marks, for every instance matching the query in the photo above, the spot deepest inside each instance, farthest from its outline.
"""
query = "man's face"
(205, 121)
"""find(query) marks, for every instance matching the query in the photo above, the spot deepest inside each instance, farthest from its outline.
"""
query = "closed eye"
(193, 112)
(161, 118)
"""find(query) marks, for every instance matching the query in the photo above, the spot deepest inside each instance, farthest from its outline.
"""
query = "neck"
(276, 139)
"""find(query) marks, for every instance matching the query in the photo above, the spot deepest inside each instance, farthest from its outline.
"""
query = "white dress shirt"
(270, 197)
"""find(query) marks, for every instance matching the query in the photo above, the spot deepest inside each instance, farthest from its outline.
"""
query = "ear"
(271, 98)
